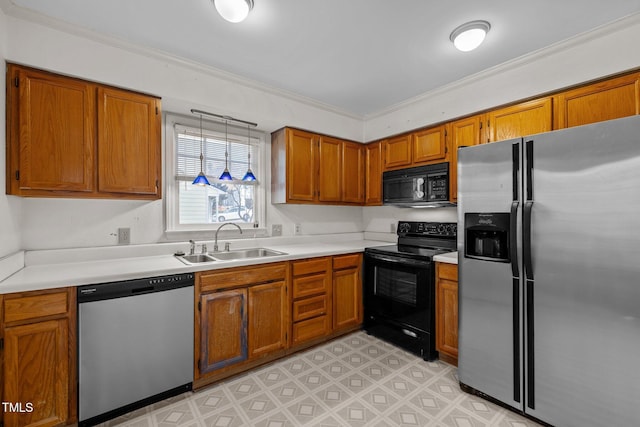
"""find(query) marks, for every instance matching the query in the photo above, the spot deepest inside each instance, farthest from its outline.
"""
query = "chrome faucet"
(215, 244)
(192, 247)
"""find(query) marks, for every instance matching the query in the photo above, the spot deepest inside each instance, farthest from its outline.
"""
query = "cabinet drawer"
(310, 285)
(241, 276)
(309, 307)
(448, 271)
(312, 328)
(25, 307)
(310, 266)
(347, 261)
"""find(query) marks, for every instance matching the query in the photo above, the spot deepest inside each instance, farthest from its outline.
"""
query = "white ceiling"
(359, 56)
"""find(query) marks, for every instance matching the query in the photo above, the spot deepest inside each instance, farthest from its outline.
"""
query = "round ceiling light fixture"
(233, 10)
(470, 35)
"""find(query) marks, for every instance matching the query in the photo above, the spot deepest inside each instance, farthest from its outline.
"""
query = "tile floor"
(355, 380)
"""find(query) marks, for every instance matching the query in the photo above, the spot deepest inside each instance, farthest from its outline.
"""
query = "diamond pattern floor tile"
(357, 380)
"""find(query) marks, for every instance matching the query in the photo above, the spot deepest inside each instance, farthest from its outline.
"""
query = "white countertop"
(449, 258)
(60, 272)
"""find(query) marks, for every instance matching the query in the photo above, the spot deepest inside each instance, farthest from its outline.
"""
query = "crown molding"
(18, 12)
(529, 58)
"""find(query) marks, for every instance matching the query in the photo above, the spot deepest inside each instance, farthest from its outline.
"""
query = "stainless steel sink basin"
(245, 253)
(195, 258)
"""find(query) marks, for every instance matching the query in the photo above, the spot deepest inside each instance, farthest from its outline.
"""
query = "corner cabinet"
(447, 312)
(39, 357)
(241, 319)
(316, 169)
(68, 137)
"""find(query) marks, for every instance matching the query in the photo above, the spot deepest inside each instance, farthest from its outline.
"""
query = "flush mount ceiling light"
(233, 10)
(470, 35)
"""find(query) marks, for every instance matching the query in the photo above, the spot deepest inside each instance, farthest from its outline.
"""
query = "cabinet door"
(447, 314)
(520, 120)
(330, 169)
(223, 329)
(373, 162)
(36, 370)
(347, 298)
(397, 151)
(52, 145)
(353, 175)
(611, 99)
(302, 148)
(267, 318)
(128, 143)
(429, 145)
(464, 133)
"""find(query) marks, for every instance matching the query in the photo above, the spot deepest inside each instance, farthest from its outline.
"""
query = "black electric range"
(399, 285)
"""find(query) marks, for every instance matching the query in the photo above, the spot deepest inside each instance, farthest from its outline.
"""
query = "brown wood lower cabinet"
(447, 312)
(347, 291)
(39, 357)
(241, 319)
(311, 299)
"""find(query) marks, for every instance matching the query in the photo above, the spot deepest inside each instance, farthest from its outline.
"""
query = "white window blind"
(223, 201)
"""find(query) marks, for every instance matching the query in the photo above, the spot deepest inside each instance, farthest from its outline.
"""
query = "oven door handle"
(399, 260)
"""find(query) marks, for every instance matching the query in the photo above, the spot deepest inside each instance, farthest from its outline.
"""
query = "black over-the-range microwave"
(419, 186)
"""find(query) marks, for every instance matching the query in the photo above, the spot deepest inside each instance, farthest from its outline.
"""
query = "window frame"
(175, 230)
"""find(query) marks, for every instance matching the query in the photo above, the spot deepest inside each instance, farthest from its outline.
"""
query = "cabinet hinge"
(480, 125)
(16, 82)
(1, 343)
(199, 306)
(488, 123)
(156, 110)
(18, 175)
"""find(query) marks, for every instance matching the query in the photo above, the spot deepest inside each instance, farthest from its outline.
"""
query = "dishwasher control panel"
(126, 288)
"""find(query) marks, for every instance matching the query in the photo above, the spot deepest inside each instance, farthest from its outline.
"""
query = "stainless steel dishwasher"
(135, 344)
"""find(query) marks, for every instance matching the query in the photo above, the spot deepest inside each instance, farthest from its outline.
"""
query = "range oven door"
(399, 302)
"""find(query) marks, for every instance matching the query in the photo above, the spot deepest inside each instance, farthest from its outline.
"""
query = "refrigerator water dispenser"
(487, 236)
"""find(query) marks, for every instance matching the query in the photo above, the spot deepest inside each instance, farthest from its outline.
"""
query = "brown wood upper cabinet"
(464, 133)
(373, 170)
(313, 168)
(413, 149)
(396, 152)
(39, 356)
(68, 137)
(605, 100)
(527, 118)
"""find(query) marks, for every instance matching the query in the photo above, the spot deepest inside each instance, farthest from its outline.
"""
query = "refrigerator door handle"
(513, 238)
(526, 240)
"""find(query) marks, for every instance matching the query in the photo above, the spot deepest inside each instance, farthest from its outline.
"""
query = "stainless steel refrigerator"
(549, 262)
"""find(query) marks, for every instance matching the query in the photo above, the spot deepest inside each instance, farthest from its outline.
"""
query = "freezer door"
(583, 296)
(489, 294)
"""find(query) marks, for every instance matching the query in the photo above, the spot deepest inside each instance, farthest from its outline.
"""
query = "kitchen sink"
(245, 253)
(195, 258)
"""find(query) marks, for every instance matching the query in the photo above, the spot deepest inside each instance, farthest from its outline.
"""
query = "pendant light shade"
(249, 176)
(201, 179)
(470, 35)
(233, 10)
(226, 175)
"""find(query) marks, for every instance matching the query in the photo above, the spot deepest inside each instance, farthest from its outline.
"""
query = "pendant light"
(201, 179)
(249, 176)
(226, 175)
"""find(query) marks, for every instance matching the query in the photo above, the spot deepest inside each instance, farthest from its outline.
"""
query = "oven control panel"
(427, 228)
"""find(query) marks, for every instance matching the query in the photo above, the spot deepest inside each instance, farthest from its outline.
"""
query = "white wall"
(602, 52)
(61, 223)
(56, 223)
(10, 223)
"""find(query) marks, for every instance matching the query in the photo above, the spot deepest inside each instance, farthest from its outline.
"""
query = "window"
(193, 207)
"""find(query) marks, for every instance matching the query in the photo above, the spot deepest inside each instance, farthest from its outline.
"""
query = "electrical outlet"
(276, 229)
(124, 236)
(393, 227)
(297, 229)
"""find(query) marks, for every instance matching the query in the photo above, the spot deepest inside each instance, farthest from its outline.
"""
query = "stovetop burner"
(421, 240)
